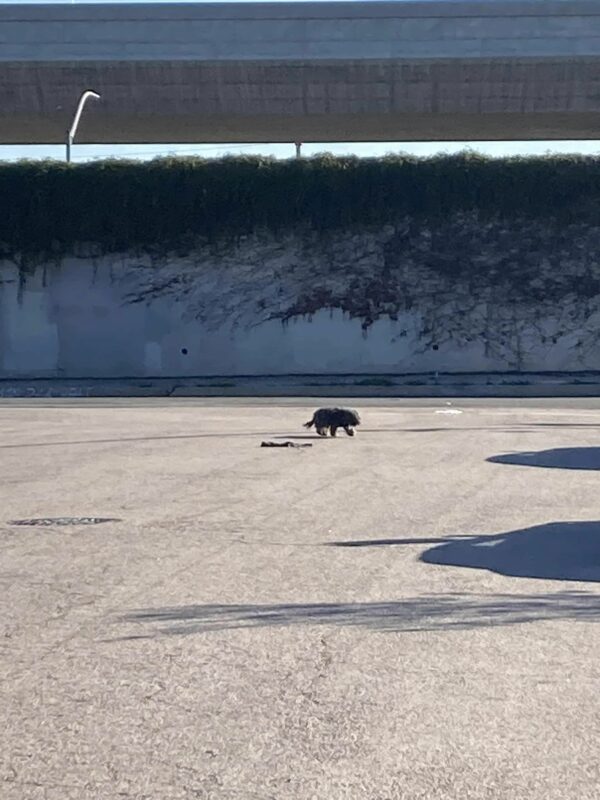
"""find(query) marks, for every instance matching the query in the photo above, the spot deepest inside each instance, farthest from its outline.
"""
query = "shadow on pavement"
(129, 439)
(227, 434)
(558, 458)
(435, 612)
(561, 424)
(301, 436)
(392, 542)
(559, 551)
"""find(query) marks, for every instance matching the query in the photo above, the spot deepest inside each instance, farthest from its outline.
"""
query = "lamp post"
(73, 129)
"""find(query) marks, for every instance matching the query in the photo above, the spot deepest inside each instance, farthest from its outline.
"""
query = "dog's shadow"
(302, 436)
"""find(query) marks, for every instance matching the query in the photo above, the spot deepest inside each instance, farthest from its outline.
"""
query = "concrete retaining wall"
(463, 296)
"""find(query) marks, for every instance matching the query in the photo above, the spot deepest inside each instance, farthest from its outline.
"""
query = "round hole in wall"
(184, 350)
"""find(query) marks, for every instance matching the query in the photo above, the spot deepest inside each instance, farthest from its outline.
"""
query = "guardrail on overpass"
(331, 71)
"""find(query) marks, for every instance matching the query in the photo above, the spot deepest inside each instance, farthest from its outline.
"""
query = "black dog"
(334, 418)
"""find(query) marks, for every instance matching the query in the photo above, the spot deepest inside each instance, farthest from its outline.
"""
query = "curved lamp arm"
(73, 129)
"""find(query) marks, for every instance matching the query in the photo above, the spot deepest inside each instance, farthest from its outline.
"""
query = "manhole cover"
(48, 521)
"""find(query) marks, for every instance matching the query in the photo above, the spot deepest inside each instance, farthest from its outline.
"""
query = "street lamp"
(73, 129)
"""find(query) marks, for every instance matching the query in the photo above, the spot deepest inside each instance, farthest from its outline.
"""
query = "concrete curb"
(417, 386)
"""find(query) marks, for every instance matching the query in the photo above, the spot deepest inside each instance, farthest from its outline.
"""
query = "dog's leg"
(348, 430)
(322, 431)
(333, 430)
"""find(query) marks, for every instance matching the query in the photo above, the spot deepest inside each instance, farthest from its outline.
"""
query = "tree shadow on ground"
(393, 542)
(560, 551)
(227, 434)
(557, 458)
(131, 439)
(427, 613)
(301, 436)
(561, 424)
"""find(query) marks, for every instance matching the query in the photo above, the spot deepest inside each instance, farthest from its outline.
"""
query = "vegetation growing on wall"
(50, 208)
(467, 280)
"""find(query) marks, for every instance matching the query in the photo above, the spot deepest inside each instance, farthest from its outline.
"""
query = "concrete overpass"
(332, 71)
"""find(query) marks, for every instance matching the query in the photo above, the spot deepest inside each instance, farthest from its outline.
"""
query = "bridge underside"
(393, 100)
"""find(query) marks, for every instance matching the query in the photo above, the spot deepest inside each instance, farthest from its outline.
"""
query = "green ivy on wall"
(48, 208)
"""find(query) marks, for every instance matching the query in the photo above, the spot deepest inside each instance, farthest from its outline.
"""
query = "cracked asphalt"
(411, 613)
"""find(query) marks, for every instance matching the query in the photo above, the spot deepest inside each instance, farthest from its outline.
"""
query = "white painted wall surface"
(221, 306)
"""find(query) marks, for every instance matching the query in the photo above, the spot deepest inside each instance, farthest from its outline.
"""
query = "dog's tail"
(309, 424)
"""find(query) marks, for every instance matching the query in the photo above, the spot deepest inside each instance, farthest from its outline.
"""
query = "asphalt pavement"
(409, 613)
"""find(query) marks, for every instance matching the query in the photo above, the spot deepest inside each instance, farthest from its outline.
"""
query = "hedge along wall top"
(49, 208)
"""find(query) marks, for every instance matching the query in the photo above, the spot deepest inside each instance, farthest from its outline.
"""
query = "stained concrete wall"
(461, 296)
(359, 71)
